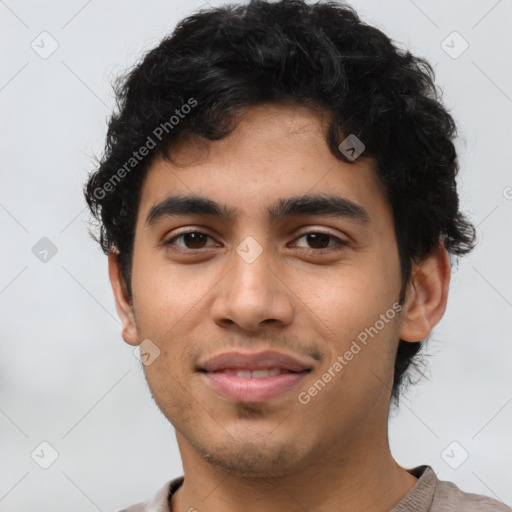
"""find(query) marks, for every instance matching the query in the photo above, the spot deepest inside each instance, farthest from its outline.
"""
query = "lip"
(254, 361)
(254, 390)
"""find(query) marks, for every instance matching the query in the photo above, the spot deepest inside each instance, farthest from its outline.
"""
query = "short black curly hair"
(220, 61)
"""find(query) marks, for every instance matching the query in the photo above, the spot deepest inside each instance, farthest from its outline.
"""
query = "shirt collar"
(419, 498)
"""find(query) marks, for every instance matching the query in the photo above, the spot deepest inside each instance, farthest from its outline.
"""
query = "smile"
(255, 386)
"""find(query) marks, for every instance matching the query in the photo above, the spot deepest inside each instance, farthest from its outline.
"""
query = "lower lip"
(252, 390)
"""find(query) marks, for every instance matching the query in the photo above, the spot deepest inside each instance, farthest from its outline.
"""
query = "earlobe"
(124, 305)
(426, 297)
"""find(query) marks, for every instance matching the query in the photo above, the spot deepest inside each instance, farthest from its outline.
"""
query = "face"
(308, 284)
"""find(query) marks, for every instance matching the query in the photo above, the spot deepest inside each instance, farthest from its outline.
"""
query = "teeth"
(260, 374)
(255, 374)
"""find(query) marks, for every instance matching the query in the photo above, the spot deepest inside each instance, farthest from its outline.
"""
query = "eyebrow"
(316, 204)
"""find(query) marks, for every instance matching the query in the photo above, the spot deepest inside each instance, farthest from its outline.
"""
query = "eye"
(191, 239)
(197, 239)
(320, 241)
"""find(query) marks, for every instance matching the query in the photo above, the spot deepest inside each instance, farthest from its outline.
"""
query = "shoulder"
(450, 498)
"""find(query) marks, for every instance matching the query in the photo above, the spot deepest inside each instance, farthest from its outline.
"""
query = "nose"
(253, 294)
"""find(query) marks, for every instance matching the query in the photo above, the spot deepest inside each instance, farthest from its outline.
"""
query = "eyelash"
(341, 243)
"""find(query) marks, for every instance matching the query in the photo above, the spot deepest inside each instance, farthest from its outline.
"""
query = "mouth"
(253, 378)
(254, 374)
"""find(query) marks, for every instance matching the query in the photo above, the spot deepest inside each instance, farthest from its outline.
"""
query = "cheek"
(350, 307)
(352, 297)
(164, 294)
(171, 397)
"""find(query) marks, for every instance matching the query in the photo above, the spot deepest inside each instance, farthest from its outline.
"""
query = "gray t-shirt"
(428, 495)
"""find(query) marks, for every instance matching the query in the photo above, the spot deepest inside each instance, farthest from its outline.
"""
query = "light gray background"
(67, 377)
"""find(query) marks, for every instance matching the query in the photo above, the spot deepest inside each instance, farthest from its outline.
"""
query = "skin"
(333, 452)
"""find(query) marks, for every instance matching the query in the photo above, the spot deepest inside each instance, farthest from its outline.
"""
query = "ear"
(124, 306)
(427, 294)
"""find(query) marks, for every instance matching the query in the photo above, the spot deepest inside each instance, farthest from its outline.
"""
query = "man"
(278, 203)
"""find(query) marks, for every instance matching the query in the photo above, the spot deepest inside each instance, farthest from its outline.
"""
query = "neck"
(356, 476)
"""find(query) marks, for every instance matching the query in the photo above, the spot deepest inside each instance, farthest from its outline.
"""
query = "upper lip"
(254, 361)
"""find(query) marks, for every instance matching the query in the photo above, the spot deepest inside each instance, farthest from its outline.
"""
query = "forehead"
(275, 152)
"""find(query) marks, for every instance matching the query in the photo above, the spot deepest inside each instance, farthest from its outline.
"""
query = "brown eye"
(317, 240)
(191, 240)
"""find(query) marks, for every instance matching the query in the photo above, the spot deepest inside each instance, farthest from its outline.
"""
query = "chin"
(262, 458)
